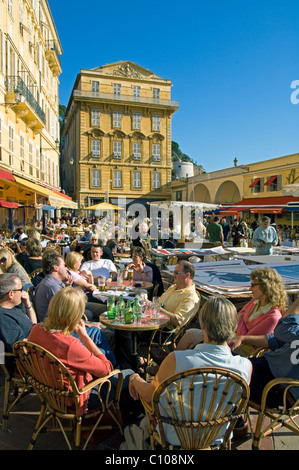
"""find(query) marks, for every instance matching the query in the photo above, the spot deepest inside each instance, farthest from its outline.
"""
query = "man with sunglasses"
(17, 315)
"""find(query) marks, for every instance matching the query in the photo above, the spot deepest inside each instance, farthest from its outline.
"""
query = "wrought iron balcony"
(53, 57)
(27, 108)
(137, 100)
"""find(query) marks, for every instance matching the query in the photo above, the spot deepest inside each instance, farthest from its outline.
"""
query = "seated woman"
(8, 264)
(34, 259)
(142, 272)
(73, 262)
(64, 334)
(257, 317)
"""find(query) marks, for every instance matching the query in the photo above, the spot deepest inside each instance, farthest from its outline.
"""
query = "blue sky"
(231, 63)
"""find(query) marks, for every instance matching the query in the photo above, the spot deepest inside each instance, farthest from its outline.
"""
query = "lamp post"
(107, 192)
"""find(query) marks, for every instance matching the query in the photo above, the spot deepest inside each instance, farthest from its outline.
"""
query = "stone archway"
(199, 193)
(227, 193)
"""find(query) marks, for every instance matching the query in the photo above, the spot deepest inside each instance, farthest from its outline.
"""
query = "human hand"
(235, 342)
(25, 298)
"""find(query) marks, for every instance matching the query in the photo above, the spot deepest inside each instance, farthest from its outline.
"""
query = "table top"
(147, 323)
(126, 289)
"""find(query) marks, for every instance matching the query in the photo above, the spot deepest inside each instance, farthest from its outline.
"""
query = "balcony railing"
(125, 98)
(13, 83)
(51, 46)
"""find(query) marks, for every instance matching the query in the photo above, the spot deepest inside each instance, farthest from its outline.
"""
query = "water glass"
(119, 278)
(137, 318)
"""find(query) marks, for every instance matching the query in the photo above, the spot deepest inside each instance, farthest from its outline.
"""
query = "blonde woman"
(9, 264)
(85, 351)
(73, 262)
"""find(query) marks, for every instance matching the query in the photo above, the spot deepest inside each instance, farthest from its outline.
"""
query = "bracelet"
(134, 377)
(28, 308)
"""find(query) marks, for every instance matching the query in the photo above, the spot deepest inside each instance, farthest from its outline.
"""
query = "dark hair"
(187, 267)
(34, 247)
(49, 260)
(139, 252)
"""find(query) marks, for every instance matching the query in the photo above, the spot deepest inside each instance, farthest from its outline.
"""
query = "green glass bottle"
(111, 313)
(128, 317)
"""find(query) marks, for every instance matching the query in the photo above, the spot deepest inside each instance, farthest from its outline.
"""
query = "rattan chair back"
(59, 394)
(196, 409)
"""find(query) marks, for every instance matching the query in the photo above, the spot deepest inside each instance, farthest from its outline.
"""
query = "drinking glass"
(101, 283)
(130, 274)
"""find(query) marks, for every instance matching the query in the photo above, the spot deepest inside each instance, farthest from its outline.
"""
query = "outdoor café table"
(147, 324)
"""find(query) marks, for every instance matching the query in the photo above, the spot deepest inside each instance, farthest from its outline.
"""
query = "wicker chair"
(60, 396)
(284, 415)
(36, 276)
(194, 408)
(13, 384)
(166, 339)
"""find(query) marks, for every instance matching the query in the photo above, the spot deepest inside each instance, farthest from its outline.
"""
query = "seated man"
(17, 315)
(280, 361)
(218, 318)
(179, 302)
(99, 266)
(56, 278)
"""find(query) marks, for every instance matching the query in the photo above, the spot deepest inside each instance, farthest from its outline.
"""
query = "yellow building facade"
(246, 191)
(116, 140)
(29, 112)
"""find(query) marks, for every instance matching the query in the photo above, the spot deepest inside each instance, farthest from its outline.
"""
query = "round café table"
(147, 324)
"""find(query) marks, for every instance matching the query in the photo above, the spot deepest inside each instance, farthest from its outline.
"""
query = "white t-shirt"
(103, 267)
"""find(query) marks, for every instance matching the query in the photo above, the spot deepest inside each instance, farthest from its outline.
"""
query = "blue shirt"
(283, 359)
(44, 293)
(266, 234)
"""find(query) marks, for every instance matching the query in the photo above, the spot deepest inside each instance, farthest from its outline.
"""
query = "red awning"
(5, 175)
(254, 182)
(270, 205)
(8, 205)
(270, 180)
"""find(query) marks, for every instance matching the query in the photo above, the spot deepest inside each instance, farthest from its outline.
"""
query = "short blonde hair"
(65, 310)
(219, 318)
(72, 258)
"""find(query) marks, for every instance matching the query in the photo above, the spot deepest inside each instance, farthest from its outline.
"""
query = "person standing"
(265, 237)
(237, 232)
(225, 227)
(215, 231)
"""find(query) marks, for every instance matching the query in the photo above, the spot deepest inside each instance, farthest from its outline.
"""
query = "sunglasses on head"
(2, 259)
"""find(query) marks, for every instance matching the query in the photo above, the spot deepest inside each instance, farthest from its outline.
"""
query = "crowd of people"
(59, 312)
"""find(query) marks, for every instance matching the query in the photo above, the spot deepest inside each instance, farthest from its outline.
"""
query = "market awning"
(5, 175)
(8, 205)
(59, 203)
(47, 208)
(254, 182)
(270, 205)
(270, 180)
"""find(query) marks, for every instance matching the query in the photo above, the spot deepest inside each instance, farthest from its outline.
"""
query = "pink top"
(81, 363)
(263, 324)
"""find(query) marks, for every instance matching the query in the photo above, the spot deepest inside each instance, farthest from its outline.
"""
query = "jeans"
(100, 341)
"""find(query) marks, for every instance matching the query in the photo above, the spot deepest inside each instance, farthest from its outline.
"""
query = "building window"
(117, 119)
(95, 178)
(117, 149)
(11, 145)
(22, 152)
(156, 94)
(257, 185)
(136, 151)
(95, 87)
(156, 180)
(117, 179)
(137, 179)
(156, 122)
(273, 183)
(95, 148)
(116, 88)
(95, 117)
(42, 165)
(136, 120)
(30, 160)
(136, 92)
(156, 152)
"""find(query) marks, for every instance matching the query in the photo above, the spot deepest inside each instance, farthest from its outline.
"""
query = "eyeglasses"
(253, 285)
(178, 272)
(16, 290)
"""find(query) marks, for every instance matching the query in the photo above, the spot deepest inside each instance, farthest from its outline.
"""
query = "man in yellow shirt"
(180, 301)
